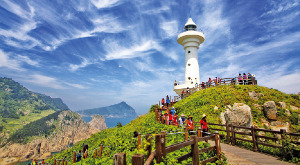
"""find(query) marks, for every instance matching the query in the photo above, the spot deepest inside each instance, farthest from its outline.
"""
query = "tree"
(119, 124)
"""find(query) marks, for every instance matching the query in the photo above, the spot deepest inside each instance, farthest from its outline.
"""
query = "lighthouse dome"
(190, 25)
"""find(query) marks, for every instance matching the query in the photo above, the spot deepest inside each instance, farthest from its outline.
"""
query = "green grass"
(120, 139)
(14, 124)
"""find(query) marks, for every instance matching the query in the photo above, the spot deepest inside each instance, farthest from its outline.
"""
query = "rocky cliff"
(69, 129)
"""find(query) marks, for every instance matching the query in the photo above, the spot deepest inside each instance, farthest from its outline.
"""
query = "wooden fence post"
(254, 138)
(54, 163)
(120, 159)
(100, 150)
(74, 157)
(199, 132)
(218, 145)
(66, 162)
(62, 161)
(227, 133)
(95, 153)
(149, 146)
(137, 159)
(195, 151)
(283, 132)
(158, 148)
(139, 141)
(186, 134)
(233, 135)
(163, 144)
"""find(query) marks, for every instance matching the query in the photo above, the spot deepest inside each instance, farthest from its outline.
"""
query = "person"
(162, 101)
(216, 81)
(135, 134)
(189, 124)
(175, 83)
(245, 78)
(167, 100)
(250, 78)
(29, 163)
(240, 78)
(85, 149)
(209, 82)
(170, 118)
(34, 162)
(43, 161)
(173, 111)
(166, 116)
(187, 90)
(203, 125)
(202, 85)
(182, 92)
(182, 120)
(78, 156)
(175, 119)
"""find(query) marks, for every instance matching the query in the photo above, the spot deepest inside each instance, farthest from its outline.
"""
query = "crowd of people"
(170, 117)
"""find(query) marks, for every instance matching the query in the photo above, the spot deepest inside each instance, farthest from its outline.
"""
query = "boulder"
(253, 95)
(277, 126)
(265, 122)
(240, 115)
(282, 105)
(270, 110)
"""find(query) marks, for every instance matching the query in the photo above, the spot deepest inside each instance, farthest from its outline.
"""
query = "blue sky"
(101, 52)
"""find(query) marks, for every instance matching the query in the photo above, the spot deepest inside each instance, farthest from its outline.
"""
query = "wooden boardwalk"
(240, 156)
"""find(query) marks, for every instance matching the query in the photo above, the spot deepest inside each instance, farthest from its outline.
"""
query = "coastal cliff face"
(69, 129)
(98, 122)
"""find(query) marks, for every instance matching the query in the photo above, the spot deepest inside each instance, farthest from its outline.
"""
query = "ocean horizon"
(112, 122)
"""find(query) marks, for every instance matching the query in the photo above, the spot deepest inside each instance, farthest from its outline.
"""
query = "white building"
(190, 39)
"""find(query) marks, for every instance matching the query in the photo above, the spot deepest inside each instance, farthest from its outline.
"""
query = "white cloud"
(45, 81)
(105, 3)
(279, 7)
(156, 10)
(84, 63)
(170, 28)
(6, 61)
(115, 51)
(79, 86)
(27, 60)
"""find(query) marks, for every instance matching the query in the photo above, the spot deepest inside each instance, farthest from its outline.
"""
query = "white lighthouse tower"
(190, 39)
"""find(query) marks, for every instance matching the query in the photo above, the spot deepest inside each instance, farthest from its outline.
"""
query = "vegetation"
(39, 127)
(19, 106)
(119, 139)
(204, 102)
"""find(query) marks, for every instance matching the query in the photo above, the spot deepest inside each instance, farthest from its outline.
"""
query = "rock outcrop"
(270, 110)
(70, 129)
(253, 95)
(98, 122)
(282, 105)
(240, 115)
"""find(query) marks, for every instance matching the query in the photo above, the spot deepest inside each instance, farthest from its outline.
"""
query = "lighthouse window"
(189, 64)
(189, 51)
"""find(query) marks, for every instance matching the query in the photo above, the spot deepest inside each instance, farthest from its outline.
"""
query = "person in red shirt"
(189, 124)
(175, 119)
(203, 124)
(170, 118)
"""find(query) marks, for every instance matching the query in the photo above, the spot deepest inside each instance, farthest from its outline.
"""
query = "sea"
(112, 122)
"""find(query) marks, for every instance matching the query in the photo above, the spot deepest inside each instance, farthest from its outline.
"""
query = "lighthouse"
(190, 39)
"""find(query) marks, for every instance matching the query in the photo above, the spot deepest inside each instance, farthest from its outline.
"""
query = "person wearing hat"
(189, 123)
(203, 125)
(182, 120)
(175, 119)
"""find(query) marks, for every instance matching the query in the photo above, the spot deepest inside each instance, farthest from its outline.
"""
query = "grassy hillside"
(120, 139)
(204, 102)
(19, 106)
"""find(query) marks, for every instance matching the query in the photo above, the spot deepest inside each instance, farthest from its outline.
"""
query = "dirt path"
(240, 156)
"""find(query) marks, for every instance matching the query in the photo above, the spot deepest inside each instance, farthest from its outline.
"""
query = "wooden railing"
(231, 132)
(161, 150)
